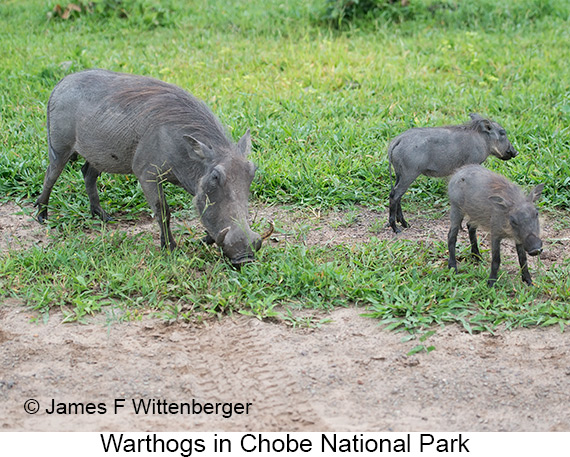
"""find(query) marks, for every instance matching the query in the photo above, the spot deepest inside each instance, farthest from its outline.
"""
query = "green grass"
(322, 100)
(405, 285)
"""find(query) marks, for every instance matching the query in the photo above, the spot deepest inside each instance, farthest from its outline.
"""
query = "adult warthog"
(122, 123)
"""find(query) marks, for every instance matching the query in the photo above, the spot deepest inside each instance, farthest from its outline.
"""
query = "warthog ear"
(482, 125)
(198, 150)
(244, 144)
(500, 201)
(475, 117)
(535, 193)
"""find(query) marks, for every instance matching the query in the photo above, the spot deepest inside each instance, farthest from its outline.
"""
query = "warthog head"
(222, 199)
(498, 143)
(523, 220)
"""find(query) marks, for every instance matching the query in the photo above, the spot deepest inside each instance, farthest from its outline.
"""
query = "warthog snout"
(239, 245)
(511, 152)
(533, 245)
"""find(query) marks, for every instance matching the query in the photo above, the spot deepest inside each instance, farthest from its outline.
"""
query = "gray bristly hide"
(493, 203)
(122, 123)
(438, 152)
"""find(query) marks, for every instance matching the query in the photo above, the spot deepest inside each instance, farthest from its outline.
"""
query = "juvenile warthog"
(495, 204)
(123, 123)
(439, 151)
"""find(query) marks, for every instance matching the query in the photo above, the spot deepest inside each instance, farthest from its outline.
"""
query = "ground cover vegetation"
(323, 87)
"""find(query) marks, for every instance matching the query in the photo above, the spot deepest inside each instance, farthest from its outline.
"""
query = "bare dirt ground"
(346, 375)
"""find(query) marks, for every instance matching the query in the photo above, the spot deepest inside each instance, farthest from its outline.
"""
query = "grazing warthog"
(123, 123)
(492, 202)
(438, 152)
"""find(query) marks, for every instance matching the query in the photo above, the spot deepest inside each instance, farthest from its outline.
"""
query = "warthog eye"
(217, 177)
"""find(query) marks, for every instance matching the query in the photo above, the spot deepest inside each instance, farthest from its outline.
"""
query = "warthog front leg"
(523, 264)
(473, 240)
(151, 184)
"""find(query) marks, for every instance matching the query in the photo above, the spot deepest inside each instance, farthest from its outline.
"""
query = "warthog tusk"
(221, 236)
(499, 153)
(268, 233)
